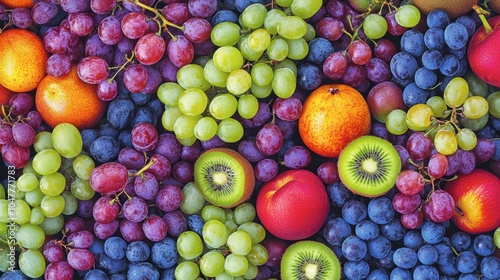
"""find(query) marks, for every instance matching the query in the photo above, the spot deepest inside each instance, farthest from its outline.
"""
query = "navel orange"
(67, 99)
(23, 60)
(18, 3)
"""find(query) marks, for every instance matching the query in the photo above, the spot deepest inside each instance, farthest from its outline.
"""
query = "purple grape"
(169, 147)
(80, 239)
(131, 231)
(21, 17)
(191, 153)
(21, 103)
(484, 150)
(183, 171)
(176, 222)
(467, 162)
(297, 157)
(269, 139)
(146, 186)
(266, 169)
(155, 228)
(169, 198)
(135, 209)
(248, 148)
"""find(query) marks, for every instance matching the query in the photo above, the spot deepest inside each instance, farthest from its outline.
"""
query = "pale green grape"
(205, 128)
(375, 26)
(284, 3)
(187, 270)
(494, 104)
(248, 105)
(189, 245)
(27, 182)
(169, 116)
(235, 265)
(184, 126)
(37, 216)
(212, 263)
(247, 52)
(52, 184)
(261, 91)
(18, 194)
(52, 206)
(4, 211)
(496, 237)
(81, 189)
(212, 212)
(228, 59)
(445, 141)
(231, 226)
(475, 124)
(28, 168)
(271, 21)
(258, 255)
(287, 63)
(297, 49)
(223, 106)
(455, 92)
(5, 258)
(239, 242)
(53, 225)
(284, 82)
(70, 203)
(252, 272)
(395, 122)
(259, 40)
(187, 141)
(230, 130)
(224, 276)
(476, 85)
(213, 75)
(305, 8)
(229, 214)
(254, 15)
(2, 192)
(437, 105)
(310, 34)
(475, 107)
(192, 76)
(3, 229)
(46, 162)
(278, 49)
(201, 60)
(214, 233)
(43, 140)
(238, 81)
(407, 16)
(466, 139)
(32, 263)
(34, 197)
(21, 213)
(256, 231)
(292, 27)
(262, 74)
(225, 34)
(83, 166)
(30, 236)
(244, 212)
(193, 102)
(418, 117)
(192, 200)
(168, 93)
(67, 140)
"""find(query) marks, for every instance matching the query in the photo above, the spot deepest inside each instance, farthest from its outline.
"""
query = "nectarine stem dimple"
(459, 211)
(484, 21)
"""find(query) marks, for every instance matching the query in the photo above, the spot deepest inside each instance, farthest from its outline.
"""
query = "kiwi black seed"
(369, 166)
(307, 260)
(224, 177)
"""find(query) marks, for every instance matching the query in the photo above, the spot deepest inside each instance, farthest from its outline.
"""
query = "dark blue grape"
(412, 95)
(319, 50)
(466, 262)
(413, 239)
(88, 136)
(495, 123)
(339, 194)
(432, 233)
(405, 258)
(97, 246)
(195, 223)
(354, 249)
(157, 107)
(427, 254)
(224, 16)
(109, 265)
(425, 272)
(403, 66)
(142, 270)
(125, 138)
(402, 83)
(444, 277)
(106, 129)
(168, 274)
(468, 22)
(104, 149)
(393, 230)
(95, 274)
(460, 241)
(164, 253)
(118, 276)
(463, 66)
(459, 53)
(140, 98)
(490, 267)
(450, 65)
(432, 59)
(356, 270)
(425, 78)
(379, 247)
(229, 4)
(484, 245)
(486, 132)
(412, 42)
(380, 210)
(354, 211)
(336, 231)
(449, 269)
(115, 247)
(138, 251)
(120, 112)
(143, 114)
(399, 273)
(14, 275)
(468, 276)
(496, 156)
(337, 250)
(437, 18)
(434, 38)
(378, 274)
(444, 82)
(309, 76)
(241, 5)
(445, 253)
(386, 262)
(456, 35)
(367, 230)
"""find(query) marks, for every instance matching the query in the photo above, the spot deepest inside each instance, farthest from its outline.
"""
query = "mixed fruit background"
(249, 139)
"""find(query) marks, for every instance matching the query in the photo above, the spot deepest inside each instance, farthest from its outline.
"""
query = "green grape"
(184, 126)
(271, 21)
(43, 140)
(28, 168)
(224, 276)
(32, 263)
(21, 213)
(187, 270)
(212, 212)
(52, 206)
(83, 166)
(4, 211)
(235, 265)
(34, 197)
(225, 34)
(168, 93)
(81, 189)
(476, 85)
(284, 3)
(201, 60)
(228, 59)
(238, 81)
(466, 139)
(30, 236)
(230, 130)
(212, 263)
(256, 231)
(475, 107)
(189, 245)
(192, 200)
(248, 105)
(5, 258)
(52, 184)
(292, 28)
(262, 74)
(70, 203)
(231, 226)
(214, 233)
(3, 229)
(305, 8)
(297, 49)
(67, 140)
(37, 216)
(455, 92)
(407, 16)
(27, 182)
(496, 237)
(2, 192)
(475, 124)
(494, 104)
(191, 76)
(46, 162)
(287, 63)
(258, 255)
(419, 117)
(259, 40)
(244, 212)
(213, 75)
(169, 116)
(261, 91)
(18, 194)
(437, 105)
(310, 34)
(278, 49)
(239, 242)
(254, 15)
(445, 141)
(252, 272)
(247, 52)
(229, 214)
(375, 26)
(284, 82)
(193, 102)
(53, 225)
(205, 128)
(187, 141)
(223, 106)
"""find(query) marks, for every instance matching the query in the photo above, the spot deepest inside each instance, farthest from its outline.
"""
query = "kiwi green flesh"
(307, 260)
(369, 166)
(220, 178)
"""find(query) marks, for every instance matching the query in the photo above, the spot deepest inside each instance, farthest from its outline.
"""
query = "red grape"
(81, 259)
(135, 78)
(135, 209)
(58, 64)
(109, 178)
(105, 210)
(43, 12)
(60, 270)
(176, 13)
(410, 182)
(107, 90)
(15, 155)
(406, 204)
(385, 50)
(288, 109)
(155, 228)
(197, 30)
(105, 231)
(328, 172)
(335, 66)
(144, 137)
(93, 69)
(21, 17)
(162, 168)
(437, 166)
(146, 186)
(134, 25)
(82, 239)
(180, 51)
(412, 220)
(109, 30)
(359, 52)
(266, 169)
(131, 231)
(81, 24)
(102, 6)
(169, 198)
(419, 146)
(329, 28)
(149, 49)
(269, 139)
(440, 207)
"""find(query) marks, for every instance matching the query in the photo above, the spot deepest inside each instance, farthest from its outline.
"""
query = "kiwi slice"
(369, 166)
(308, 260)
(224, 177)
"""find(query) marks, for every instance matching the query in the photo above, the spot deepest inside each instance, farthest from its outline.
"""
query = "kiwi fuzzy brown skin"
(454, 8)
(494, 5)
(375, 153)
(245, 170)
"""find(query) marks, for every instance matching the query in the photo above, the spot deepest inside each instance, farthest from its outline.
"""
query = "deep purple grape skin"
(484, 150)
(328, 172)
(266, 169)
(155, 228)
(23, 134)
(176, 222)
(297, 157)
(169, 198)
(269, 139)
(248, 148)
(131, 231)
(135, 209)
(183, 171)
(146, 186)
(105, 231)
(419, 146)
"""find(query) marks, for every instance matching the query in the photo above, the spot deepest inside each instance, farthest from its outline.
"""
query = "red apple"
(294, 205)
(476, 196)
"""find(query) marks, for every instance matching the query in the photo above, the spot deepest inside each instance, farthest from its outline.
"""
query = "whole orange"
(332, 116)
(5, 95)
(18, 3)
(23, 60)
(67, 99)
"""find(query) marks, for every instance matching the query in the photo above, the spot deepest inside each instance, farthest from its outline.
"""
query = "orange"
(23, 60)
(332, 116)
(67, 99)
(5, 95)
(18, 3)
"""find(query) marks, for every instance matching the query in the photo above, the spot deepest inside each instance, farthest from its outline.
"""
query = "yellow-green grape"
(256, 231)
(261, 91)
(230, 130)
(496, 237)
(213, 75)
(475, 107)
(43, 140)
(81, 189)
(192, 200)
(259, 40)
(228, 59)
(239, 242)
(30, 236)
(52, 225)
(476, 85)
(252, 272)
(238, 82)
(83, 166)
(254, 15)
(310, 34)
(212, 212)
(193, 102)
(262, 74)
(205, 128)
(52, 184)
(466, 139)
(4, 211)
(52, 206)
(284, 82)
(46, 162)
(67, 140)
(305, 8)
(395, 122)
(201, 60)
(292, 27)
(188, 270)
(212, 263)
(271, 21)
(258, 255)
(297, 48)
(192, 76)
(475, 124)
(21, 213)
(2, 192)
(189, 141)
(278, 49)
(70, 203)
(34, 197)
(189, 245)
(169, 116)
(168, 93)
(494, 104)
(225, 34)
(419, 117)
(284, 3)
(28, 168)
(247, 52)
(437, 105)
(455, 92)
(287, 63)
(231, 226)
(248, 105)
(431, 131)
(184, 126)
(235, 265)
(223, 106)
(27, 182)
(37, 217)
(214, 233)
(445, 141)
(32, 263)
(244, 212)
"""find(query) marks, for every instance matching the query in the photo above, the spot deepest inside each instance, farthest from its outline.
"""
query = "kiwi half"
(308, 260)
(224, 177)
(369, 166)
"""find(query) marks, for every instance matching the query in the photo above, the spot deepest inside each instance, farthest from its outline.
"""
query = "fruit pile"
(249, 139)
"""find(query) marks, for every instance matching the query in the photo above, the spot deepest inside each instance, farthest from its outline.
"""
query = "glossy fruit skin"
(5, 95)
(476, 197)
(483, 53)
(332, 116)
(18, 4)
(22, 60)
(294, 205)
(67, 99)
(460, 6)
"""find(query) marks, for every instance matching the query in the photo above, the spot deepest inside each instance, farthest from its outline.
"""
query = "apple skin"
(294, 205)
(483, 53)
(476, 198)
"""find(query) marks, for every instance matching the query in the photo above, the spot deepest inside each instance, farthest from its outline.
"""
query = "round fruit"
(494, 5)
(22, 60)
(18, 3)
(332, 116)
(67, 99)
(5, 95)
(454, 8)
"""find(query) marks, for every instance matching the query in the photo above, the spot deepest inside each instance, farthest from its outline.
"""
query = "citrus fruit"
(18, 3)
(5, 95)
(67, 99)
(22, 60)
(332, 116)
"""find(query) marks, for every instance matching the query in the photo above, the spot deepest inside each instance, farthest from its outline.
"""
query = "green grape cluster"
(228, 247)
(252, 60)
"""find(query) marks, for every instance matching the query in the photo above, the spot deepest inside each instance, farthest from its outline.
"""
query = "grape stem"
(121, 67)
(165, 22)
(144, 168)
(481, 13)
